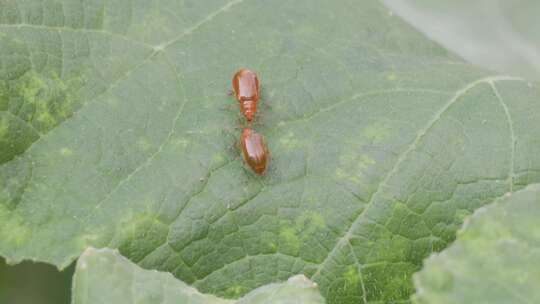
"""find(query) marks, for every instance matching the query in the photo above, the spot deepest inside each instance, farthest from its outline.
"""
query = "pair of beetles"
(246, 90)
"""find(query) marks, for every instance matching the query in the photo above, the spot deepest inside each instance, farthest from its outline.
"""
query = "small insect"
(254, 150)
(246, 89)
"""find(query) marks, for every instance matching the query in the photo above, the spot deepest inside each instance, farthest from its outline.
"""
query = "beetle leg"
(257, 120)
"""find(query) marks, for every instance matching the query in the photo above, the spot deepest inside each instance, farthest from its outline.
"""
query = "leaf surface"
(118, 132)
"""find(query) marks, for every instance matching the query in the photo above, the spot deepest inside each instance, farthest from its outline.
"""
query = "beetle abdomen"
(254, 150)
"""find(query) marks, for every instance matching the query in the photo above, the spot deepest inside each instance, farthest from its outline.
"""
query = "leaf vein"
(153, 155)
(197, 25)
(511, 173)
(360, 275)
(23, 121)
(420, 135)
(73, 30)
(357, 96)
(247, 257)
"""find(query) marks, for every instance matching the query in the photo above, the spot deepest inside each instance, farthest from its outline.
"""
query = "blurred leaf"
(104, 276)
(503, 35)
(494, 260)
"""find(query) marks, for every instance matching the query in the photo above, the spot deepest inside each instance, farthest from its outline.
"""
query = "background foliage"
(494, 258)
(32, 283)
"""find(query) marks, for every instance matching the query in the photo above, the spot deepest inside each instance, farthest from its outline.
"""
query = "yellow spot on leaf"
(352, 167)
(218, 158)
(289, 140)
(44, 99)
(66, 151)
(376, 133)
(180, 143)
(144, 144)
(309, 222)
(235, 291)
(289, 240)
(351, 276)
(13, 231)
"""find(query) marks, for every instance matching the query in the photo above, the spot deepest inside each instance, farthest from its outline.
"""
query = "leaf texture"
(117, 131)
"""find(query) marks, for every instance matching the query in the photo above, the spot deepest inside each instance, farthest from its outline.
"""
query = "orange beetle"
(254, 150)
(246, 89)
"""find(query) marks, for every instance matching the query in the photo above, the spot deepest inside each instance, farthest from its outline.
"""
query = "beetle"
(246, 90)
(254, 150)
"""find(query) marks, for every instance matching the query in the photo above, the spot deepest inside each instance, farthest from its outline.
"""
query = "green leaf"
(494, 260)
(118, 132)
(104, 276)
(500, 35)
